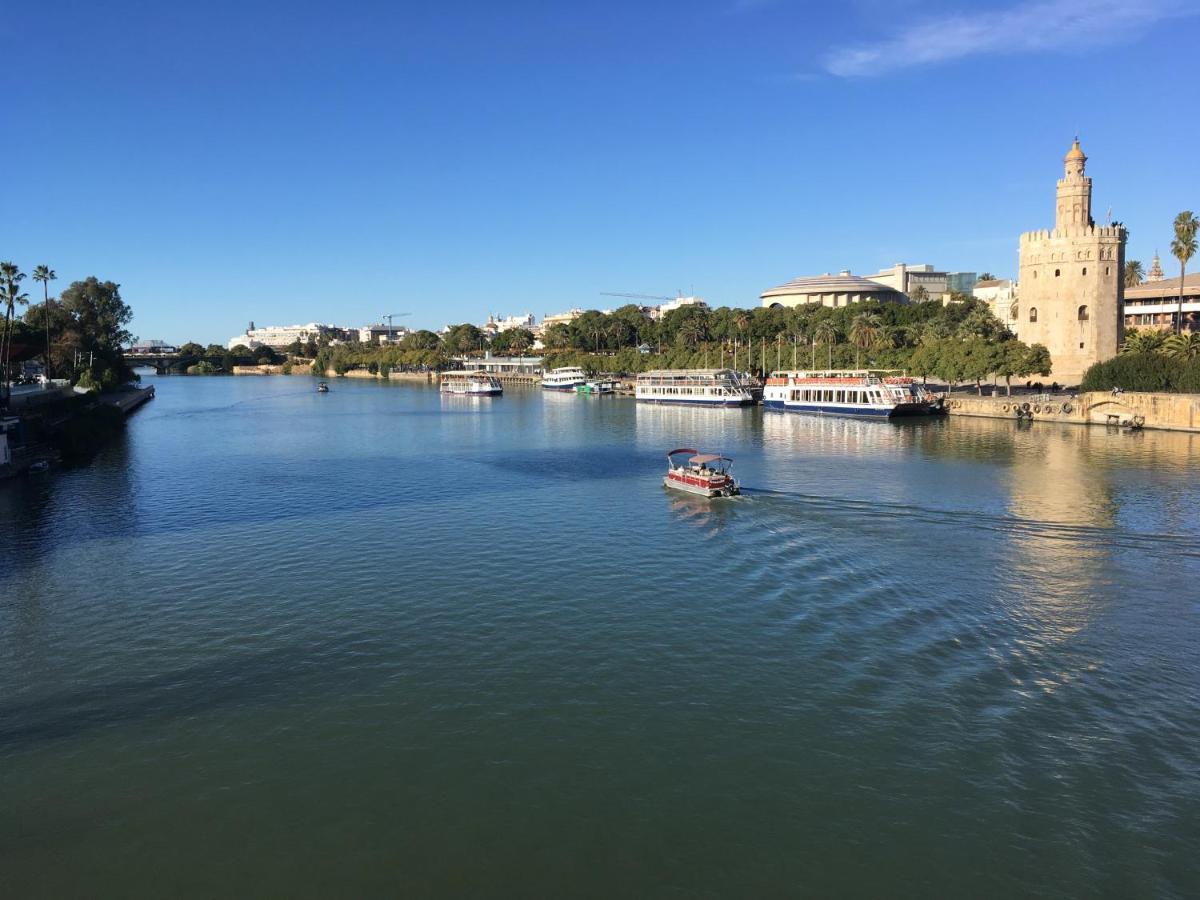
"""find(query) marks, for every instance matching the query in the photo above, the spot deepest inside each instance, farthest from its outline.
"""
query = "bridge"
(164, 363)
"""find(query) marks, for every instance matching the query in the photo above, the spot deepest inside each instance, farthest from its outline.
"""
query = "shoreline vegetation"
(960, 342)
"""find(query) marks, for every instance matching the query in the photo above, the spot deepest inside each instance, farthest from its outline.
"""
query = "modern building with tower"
(1072, 280)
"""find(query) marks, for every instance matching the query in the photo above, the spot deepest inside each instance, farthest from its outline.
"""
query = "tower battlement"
(1109, 232)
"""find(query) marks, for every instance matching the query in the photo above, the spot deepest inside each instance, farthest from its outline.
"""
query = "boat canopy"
(691, 450)
(701, 458)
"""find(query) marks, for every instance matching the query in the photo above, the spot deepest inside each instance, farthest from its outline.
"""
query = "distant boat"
(704, 474)
(40, 466)
(566, 378)
(863, 394)
(471, 384)
(322, 388)
(606, 386)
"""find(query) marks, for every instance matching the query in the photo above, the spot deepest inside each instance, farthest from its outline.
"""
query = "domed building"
(842, 289)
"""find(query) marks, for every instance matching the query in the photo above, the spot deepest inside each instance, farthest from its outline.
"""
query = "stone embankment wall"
(1173, 412)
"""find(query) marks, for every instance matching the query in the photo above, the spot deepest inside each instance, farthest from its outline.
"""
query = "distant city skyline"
(321, 162)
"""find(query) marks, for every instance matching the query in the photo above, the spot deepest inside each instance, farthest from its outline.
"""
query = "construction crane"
(638, 296)
(390, 316)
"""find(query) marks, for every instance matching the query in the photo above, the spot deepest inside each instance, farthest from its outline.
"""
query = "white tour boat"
(701, 387)
(868, 394)
(471, 384)
(706, 474)
(566, 378)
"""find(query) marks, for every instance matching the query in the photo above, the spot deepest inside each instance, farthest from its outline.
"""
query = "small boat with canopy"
(705, 474)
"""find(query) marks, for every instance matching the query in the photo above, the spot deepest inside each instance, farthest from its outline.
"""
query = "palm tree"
(825, 332)
(1134, 274)
(1145, 340)
(865, 330)
(1183, 346)
(45, 275)
(692, 332)
(10, 280)
(1183, 248)
(741, 322)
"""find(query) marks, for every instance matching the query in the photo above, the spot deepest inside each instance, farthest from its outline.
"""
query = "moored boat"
(604, 386)
(704, 474)
(566, 378)
(859, 393)
(471, 384)
(699, 387)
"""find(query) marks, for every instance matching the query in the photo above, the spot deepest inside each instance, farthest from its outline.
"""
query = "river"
(384, 643)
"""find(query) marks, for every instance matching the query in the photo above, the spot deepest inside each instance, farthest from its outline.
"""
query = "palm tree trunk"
(1179, 320)
(46, 318)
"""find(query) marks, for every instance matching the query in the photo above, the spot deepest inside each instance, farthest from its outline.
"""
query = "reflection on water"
(383, 641)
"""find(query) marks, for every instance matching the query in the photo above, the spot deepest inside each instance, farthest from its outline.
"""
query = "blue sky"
(299, 161)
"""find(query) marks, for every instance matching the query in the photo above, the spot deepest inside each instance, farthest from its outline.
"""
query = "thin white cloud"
(1028, 27)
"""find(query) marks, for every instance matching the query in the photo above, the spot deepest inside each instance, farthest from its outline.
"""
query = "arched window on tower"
(1083, 314)
(1033, 314)
(1057, 272)
(1085, 270)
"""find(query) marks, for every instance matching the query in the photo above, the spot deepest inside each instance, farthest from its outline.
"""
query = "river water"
(384, 643)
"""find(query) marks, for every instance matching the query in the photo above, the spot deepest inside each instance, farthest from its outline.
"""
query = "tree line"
(79, 334)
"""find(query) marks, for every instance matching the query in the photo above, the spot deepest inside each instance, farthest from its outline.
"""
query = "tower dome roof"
(1076, 152)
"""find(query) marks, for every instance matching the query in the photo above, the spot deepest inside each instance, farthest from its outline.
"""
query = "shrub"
(1144, 372)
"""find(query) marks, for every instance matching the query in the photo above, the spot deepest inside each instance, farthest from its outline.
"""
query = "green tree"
(950, 364)
(191, 348)
(918, 294)
(421, 340)
(558, 337)
(10, 295)
(690, 333)
(826, 333)
(1183, 346)
(1134, 273)
(45, 275)
(1183, 248)
(1017, 359)
(985, 276)
(1143, 340)
(214, 350)
(865, 332)
(464, 339)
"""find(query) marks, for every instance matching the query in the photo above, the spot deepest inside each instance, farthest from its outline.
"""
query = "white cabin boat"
(603, 386)
(566, 378)
(698, 387)
(471, 384)
(865, 394)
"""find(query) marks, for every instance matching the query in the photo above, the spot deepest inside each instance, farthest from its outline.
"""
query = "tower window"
(1085, 270)
(1107, 270)
(1033, 314)
(1083, 314)
(1057, 272)
(1035, 273)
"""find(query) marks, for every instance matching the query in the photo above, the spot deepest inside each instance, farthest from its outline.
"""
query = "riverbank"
(1168, 412)
(64, 426)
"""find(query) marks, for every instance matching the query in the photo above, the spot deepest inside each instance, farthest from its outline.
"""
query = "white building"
(565, 318)
(382, 334)
(1000, 295)
(280, 336)
(834, 291)
(494, 326)
(657, 312)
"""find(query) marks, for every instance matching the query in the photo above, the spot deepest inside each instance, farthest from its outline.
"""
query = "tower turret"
(1074, 192)
(1156, 272)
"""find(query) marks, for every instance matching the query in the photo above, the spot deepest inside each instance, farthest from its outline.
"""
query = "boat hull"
(561, 388)
(699, 490)
(689, 401)
(900, 410)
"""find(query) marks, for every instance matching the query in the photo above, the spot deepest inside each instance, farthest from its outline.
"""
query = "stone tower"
(1156, 272)
(1072, 280)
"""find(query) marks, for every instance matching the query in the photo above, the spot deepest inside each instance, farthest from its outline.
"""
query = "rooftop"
(843, 283)
(1168, 287)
